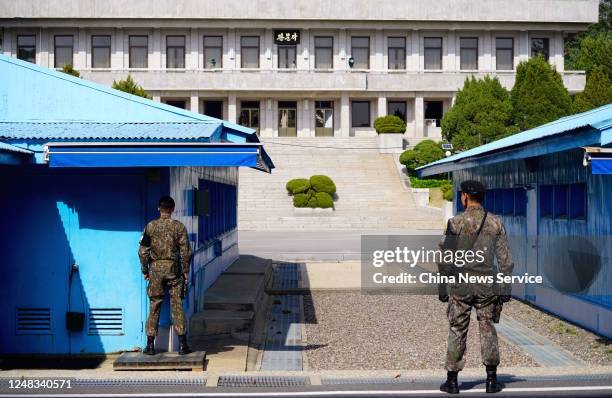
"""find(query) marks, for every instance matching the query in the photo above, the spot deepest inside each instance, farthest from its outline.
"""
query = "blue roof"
(4, 147)
(599, 119)
(37, 103)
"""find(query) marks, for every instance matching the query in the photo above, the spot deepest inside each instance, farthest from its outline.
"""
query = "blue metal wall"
(591, 307)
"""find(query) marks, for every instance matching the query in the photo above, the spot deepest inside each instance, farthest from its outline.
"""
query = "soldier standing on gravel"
(164, 247)
(475, 229)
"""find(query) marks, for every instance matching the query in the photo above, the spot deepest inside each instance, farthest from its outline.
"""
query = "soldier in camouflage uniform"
(164, 247)
(476, 230)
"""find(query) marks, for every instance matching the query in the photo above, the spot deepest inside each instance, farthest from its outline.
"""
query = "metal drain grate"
(263, 381)
(139, 382)
(364, 380)
(287, 276)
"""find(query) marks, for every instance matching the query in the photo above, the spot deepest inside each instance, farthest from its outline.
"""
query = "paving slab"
(249, 265)
(160, 361)
(234, 291)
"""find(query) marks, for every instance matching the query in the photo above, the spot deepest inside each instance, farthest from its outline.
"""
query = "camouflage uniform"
(164, 246)
(461, 231)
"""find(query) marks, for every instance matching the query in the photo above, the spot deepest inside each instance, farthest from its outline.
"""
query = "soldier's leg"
(155, 291)
(176, 306)
(489, 349)
(458, 313)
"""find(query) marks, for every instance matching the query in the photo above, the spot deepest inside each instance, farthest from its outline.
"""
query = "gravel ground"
(351, 331)
(591, 348)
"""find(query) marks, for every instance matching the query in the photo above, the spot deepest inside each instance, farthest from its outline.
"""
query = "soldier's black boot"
(150, 348)
(183, 347)
(451, 385)
(492, 386)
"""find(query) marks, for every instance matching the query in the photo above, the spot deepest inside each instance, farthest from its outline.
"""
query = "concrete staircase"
(371, 196)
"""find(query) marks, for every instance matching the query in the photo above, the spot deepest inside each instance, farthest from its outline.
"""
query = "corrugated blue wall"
(591, 307)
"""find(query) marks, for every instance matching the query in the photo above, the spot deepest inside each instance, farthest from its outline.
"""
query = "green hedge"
(427, 183)
(322, 183)
(297, 185)
(315, 192)
(447, 192)
(389, 124)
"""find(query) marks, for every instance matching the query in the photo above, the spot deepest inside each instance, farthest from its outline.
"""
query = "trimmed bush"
(427, 183)
(297, 185)
(389, 124)
(300, 200)
(322, 183)
(312, 202)
(447, 192)
(324, 200)
(424, 152)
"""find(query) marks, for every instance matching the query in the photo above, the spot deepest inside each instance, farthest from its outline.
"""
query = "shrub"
(322, 183)
(312, 202)
(300, 200)
(128, 85)
(447, 192)
(389, 124)
(68, 69)
(297, 185)
(324, 200)
(423, 153)
(427, 183)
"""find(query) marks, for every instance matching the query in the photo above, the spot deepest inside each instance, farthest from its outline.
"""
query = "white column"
(419, 116)
(268, 108)
(302, 59)
(341, 62)
(232, 110)
(267, 45)
(42, 47)
(382, 106)
(345, 122)
(523, 46)
(487, 59)
(378, 50)
(558, 51)
(117, 54)
(194, 102)
(7, 42)
(156, 52)
(80, 46)
(415, 54)
(452, 62)
(304, 129)
(192, 61)
(230, 55)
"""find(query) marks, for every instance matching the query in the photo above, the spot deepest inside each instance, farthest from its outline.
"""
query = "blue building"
(82, 167)
(552, 187)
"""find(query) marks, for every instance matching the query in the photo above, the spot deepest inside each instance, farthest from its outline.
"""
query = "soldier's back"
(164, 233)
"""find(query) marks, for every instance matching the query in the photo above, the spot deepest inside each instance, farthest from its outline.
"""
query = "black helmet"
(472, 187)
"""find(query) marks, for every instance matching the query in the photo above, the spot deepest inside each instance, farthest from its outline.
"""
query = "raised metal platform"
(160, 361)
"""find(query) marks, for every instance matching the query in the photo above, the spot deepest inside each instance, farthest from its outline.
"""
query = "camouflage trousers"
(458, 312)
(162, 275)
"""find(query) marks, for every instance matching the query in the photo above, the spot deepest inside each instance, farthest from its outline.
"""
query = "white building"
(298, 68)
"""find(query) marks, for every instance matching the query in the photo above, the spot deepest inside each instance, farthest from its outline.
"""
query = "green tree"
(389, 124)
(597, 92)
(538, 95)
(128, 85)
(482, 113)
(424, 152)
(68, 69)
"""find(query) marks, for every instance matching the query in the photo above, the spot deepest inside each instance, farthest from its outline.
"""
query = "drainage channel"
(283, 349)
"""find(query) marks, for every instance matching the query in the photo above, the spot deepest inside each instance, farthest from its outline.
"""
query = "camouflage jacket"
(165, 239)
(462, 234)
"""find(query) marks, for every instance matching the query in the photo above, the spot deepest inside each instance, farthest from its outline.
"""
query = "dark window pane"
(396, 52)
(324, 49)
(540, 46)
(546, 201)
(139, 51)
(286, 57)
(140, 41)
(489, 203)
(433, 53)
(468, 53)
(175, 52)
(397, 108)
(434, 110)
(578, 201)
(26, 48)
(249, 52)
(177, 103)
(360, 114)
(63, 51)
(360, 51)
(249, 41)
(504, 53)
(213, 109)
(213, 52)
(101, 41)
(520, 202)
(560, 201)
(100, 51)
(508, 202)
(175, 41)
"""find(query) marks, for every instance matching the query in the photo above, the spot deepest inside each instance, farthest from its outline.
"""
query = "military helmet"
(472, 187)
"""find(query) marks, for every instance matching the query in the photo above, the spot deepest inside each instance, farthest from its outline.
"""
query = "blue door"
(87, 225)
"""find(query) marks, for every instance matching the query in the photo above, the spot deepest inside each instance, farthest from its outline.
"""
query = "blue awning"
(601, 165)
(152, 154)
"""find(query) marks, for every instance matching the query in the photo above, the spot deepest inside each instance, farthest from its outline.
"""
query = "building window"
(360, 52)
(222, 210)
(324, 52)
(324, 118)
(468, 53)
(434, 112)
(100, 51)
(249, 52)
(213, 109)
(397, 108)
(249, 115)
(504, 53)
(213, 52)
(563, 201)
(177, 103)
(286, 57)
(139, 51)
(360, 114)
(287, 119)
(63, 50)
(433, 53)
(540, 46)
(396, 51)
(26, 48)
(175, 52)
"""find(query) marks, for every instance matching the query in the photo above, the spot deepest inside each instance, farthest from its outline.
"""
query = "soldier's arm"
(144, 251)
(503, 255)
(449, 242)
(185, 250)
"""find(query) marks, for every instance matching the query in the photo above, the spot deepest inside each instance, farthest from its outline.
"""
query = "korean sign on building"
(287, 37)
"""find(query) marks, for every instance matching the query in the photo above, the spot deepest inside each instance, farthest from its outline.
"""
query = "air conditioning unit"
(430, 122)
